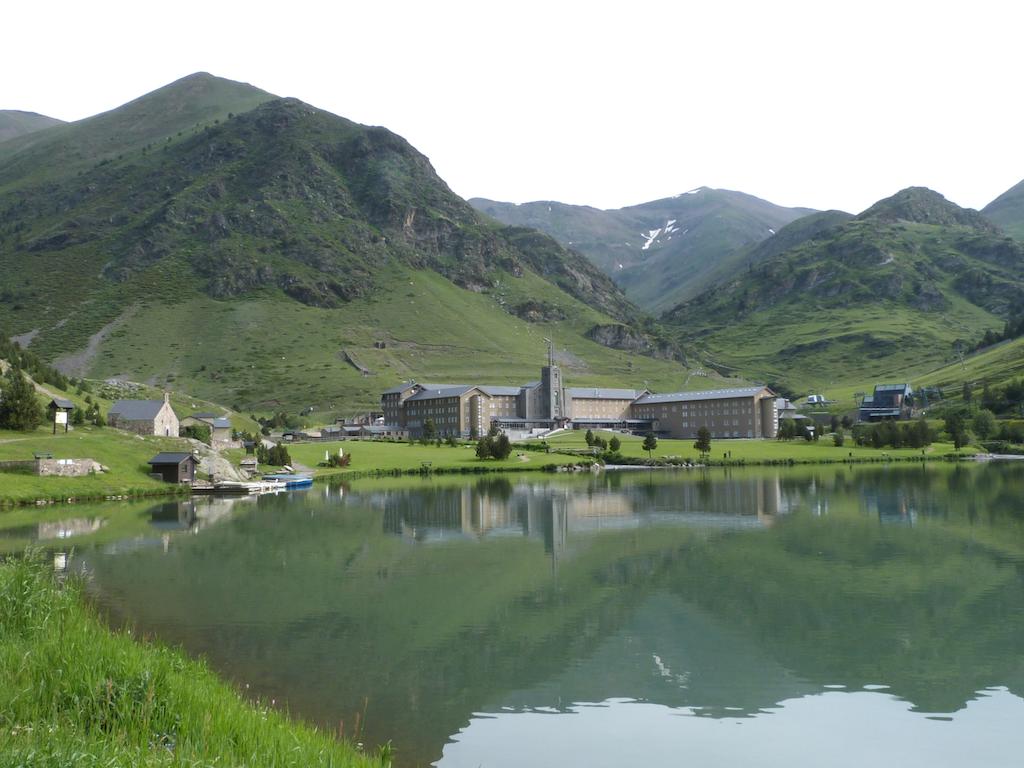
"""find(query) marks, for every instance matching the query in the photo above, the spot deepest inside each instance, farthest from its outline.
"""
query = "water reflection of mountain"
(668, 589)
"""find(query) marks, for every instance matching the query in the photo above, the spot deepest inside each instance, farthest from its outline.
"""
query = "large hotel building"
(468, 410)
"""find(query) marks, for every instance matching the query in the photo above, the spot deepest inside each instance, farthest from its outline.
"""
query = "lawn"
(377, 456)
(124, 454)
(752, 451)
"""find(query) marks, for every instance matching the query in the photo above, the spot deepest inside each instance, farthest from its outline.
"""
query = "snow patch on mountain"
(650, 237)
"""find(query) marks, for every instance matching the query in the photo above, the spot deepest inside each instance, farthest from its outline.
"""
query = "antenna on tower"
(551, 351)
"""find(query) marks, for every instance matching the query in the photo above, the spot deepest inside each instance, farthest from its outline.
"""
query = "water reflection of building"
(553, 511)
(65, 529)
(193, 514)
(892, 505)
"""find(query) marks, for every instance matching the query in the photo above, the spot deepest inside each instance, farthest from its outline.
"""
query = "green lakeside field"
(379, 456)
(124, 454)
(756, 451)
(571, 447)
(76, 693)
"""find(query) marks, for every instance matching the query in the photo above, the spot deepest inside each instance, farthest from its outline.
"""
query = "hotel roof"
(603, 393)
(439, 391)
(496, 391)
(710, 394)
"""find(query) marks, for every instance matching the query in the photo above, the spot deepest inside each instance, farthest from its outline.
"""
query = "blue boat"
(290, 481)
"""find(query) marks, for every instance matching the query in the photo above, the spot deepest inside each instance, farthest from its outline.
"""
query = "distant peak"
(694, 191)
(925, 206)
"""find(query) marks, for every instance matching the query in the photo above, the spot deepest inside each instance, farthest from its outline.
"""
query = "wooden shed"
(173, 467)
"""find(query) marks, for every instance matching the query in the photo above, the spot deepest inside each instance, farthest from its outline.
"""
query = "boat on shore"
(268, 484)
(290, 481)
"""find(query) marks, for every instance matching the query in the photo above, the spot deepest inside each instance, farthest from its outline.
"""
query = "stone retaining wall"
(54, 467)
(67, 467)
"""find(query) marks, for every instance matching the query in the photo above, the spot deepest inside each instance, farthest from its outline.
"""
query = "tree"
(703, 444)
(923, 433)
(614, 444)
(966, 393)
(502, 447)
(650, 443)
(589, 437)
(19, 408)
(484, 447)
(787, 429)
(984, 424)
(838, 437)
(429, 431)
(956, 426)
(200, 432)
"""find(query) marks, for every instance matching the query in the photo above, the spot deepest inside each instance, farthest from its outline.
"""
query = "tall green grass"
(75, 693)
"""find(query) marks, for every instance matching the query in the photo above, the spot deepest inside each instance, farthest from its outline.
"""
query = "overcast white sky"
(824, 104)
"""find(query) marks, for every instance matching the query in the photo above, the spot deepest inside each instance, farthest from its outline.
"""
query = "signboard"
(60, 417)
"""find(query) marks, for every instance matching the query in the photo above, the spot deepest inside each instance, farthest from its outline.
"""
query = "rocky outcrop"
(629, 339)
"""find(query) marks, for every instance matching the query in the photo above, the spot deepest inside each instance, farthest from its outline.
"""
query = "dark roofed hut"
(174, 467)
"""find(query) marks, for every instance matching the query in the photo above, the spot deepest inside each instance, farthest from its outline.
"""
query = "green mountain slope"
(247, 259)
(884, 294)
(1007, 211)
(181, 108)
(663, 251)
(14, 123)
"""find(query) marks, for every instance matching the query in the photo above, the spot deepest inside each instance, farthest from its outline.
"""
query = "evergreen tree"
(19, 408)
(502, 447)
(484, 447)
(589, 437)
(650, 443)
(956, 426)
(787, 429)
(923, 432)
(614, 444)
(703, 444)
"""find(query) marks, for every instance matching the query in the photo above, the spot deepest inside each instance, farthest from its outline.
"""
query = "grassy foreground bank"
(75, 693)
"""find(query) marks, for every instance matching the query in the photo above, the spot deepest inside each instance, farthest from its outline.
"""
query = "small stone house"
(145, 417)
(220, 427)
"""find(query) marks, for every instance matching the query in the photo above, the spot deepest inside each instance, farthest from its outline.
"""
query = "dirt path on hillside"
(79, 363)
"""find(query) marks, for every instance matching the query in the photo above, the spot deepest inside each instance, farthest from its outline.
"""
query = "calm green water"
(832, 616)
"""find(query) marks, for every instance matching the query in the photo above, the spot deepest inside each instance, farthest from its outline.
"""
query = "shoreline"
(125, 701)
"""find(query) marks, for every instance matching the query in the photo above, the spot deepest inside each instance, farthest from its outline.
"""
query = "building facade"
(465, 410)
(888, 401)
(144, 417)
(742, 412)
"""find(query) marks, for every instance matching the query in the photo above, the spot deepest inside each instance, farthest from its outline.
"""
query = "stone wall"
(67, 467)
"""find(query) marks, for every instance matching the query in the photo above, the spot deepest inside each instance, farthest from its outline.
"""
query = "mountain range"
(890, 292)
(660, 252)
(263, 252)
(14, 123)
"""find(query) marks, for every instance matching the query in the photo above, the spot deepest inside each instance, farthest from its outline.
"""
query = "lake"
(833, 615)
